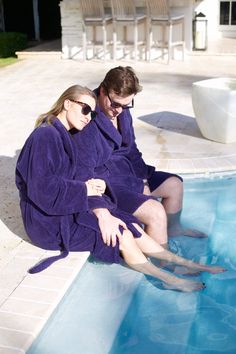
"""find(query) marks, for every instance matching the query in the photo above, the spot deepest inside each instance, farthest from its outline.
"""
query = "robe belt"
(65, 235)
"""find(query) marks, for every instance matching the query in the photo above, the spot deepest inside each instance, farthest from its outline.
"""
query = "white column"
(71, 23)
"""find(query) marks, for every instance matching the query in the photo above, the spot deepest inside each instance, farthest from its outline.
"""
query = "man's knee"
(174, 187)
(153, 212)
(174, 182)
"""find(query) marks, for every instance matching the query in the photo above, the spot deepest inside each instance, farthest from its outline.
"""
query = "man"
(115, 157)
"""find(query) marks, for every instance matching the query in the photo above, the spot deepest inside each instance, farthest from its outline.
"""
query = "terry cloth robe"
(113, 155)
(56, 211)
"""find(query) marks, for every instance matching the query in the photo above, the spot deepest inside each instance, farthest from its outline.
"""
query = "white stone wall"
(211, 9)
(71, 23)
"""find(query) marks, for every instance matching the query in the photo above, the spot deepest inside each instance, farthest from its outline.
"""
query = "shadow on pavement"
(10, 211)
(173, 122)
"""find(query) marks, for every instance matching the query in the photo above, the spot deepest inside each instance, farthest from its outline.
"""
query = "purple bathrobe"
(56, 211)
(113, 155)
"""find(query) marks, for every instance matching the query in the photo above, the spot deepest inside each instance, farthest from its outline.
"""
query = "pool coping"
(33, 297)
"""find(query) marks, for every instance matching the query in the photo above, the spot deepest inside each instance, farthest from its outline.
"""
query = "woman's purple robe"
(56, 211)
(113, 155)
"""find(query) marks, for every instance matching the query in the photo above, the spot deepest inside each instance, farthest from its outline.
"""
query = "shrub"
(10, 42)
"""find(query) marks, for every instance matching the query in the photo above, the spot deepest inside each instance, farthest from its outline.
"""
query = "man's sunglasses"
(118, 105)
(86, 109)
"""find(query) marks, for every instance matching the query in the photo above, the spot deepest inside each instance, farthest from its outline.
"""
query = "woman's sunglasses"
(86, 109)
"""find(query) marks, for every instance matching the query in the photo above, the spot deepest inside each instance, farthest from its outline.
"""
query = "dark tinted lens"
(93, 114)
(116, 105)
(86, 109)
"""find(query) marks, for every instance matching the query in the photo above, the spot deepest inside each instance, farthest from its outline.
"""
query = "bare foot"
(177, 269)
(215, 269)
(186, 232)
(184, 285)
(185, 271)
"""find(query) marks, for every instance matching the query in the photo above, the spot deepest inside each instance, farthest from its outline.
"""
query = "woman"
(62, 212)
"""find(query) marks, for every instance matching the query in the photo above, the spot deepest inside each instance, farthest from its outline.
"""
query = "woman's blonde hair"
(72, 93)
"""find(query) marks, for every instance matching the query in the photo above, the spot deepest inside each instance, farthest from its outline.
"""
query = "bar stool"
(93, 15)
(159, 15)
(124, 14)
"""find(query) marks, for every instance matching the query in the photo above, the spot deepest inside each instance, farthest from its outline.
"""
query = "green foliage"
(7, 61)
(10, 42)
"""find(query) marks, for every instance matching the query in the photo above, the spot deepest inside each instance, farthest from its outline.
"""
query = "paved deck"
(167, 134)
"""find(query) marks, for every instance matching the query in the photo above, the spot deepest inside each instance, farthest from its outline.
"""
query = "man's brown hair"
(122, 80)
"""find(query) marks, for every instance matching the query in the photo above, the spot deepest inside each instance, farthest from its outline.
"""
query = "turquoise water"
(112, 309)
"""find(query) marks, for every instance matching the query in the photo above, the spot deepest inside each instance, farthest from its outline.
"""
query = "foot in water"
(184, 270)
(184, 285)
(180, 270)
(179, 231)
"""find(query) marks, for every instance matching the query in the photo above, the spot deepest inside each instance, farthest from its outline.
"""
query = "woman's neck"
(62, 118)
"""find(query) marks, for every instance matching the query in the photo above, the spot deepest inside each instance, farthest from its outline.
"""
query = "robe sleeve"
(141, 169)
(45, 168)
(88, 159)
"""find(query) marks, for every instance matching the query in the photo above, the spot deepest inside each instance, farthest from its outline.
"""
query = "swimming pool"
(112, 309)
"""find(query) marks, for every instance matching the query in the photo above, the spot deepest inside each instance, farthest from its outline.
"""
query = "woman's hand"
(95, 187)
(109, 226)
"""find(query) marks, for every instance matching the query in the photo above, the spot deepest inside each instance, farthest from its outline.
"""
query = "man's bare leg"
(152, 214)
(171, 192)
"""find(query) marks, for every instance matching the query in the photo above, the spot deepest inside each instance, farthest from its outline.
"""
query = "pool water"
(112, 309)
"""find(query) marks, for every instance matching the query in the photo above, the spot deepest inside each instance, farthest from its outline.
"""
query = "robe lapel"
(124, 122)
(68, 145)
(105, 125)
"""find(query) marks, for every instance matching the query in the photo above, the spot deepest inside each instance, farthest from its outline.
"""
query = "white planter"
(214, 105)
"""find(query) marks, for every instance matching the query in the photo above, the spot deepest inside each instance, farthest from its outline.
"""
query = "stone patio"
(167, 134)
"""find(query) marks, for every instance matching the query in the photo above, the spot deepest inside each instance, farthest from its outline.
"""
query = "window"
(227, 13)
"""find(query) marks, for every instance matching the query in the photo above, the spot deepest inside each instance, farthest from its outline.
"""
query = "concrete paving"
(166, 131)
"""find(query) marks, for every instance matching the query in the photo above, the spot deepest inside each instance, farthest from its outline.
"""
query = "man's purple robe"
(113, 155)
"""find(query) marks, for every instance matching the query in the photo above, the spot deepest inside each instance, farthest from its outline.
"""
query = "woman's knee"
(126, 241)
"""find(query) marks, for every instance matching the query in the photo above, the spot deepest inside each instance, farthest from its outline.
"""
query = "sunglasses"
(119, 105)
(86, 109)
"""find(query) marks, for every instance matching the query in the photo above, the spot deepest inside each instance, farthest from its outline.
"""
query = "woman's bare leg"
(135, 258)
(152, 249)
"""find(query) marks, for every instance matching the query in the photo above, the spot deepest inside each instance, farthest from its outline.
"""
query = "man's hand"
(95, 187)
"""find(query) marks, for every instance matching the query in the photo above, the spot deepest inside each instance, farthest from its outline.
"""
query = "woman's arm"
(47, 172)
(109, 226)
